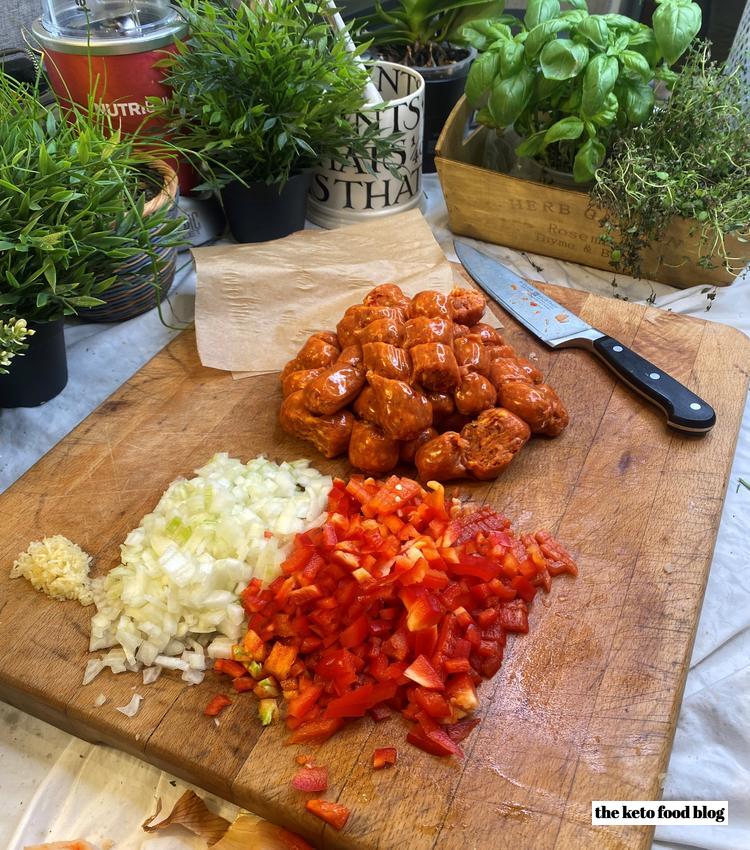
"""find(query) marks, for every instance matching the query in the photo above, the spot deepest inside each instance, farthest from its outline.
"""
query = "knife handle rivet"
(695, 406)
(654, 376)
(617, 348)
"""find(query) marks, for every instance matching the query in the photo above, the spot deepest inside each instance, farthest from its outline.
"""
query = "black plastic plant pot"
(444, 86)
(41, 372)
(259, 213)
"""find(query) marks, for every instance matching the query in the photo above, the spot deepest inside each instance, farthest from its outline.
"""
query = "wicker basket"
(136, 291)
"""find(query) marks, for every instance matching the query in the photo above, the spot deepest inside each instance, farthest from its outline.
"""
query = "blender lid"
(120, 35)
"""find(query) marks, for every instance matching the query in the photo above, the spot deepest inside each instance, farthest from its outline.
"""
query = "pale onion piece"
(193, 677)
(151, 674)
(100, 700)
(131, 709)
(250, 832)
(220, 647)
(183, 568)
(193, 814)
(170, 663)
(94, 667)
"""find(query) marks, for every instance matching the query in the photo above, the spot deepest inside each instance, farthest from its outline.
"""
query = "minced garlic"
(58, 567)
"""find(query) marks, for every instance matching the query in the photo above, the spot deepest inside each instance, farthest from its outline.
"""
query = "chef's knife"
(559, 328)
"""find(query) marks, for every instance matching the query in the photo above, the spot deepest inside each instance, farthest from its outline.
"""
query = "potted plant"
(569, 83)
(261, 93)
(14, 336)
(689, 160)
(425, 35)
(71, 211)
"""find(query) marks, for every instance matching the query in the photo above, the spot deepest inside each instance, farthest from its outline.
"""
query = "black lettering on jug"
(319, 184)
(348, 191)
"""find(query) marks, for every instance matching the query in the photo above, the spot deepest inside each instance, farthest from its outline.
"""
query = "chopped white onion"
(193, 677)
(100, 700)
(93, 668)
(185, 565)
(151, 674)
(131, 709)
(220, 647)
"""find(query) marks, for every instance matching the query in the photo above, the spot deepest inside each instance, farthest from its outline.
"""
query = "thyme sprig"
(690, 159)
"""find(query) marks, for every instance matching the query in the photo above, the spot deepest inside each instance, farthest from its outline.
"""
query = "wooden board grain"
(583, 708)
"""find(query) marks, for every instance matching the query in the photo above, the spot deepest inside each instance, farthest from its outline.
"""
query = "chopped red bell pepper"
(423, 673)
(280, 660)
(315, 730)
(231, 668)
(384, 757)
(217, 705)
(311, 779)
(332, 813)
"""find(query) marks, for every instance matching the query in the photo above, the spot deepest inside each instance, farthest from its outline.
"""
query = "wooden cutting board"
(583, 708)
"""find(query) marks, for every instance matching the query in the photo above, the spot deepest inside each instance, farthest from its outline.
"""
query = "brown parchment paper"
(256, 304)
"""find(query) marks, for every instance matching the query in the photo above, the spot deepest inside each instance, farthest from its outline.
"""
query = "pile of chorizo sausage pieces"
(417, 380)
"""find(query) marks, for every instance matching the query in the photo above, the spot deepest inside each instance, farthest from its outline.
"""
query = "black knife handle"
(685, 410)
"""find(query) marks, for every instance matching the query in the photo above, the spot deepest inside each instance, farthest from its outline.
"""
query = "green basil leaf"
(637, 99)
(563, 59)
(598, 81)
(606, 116)
(481, 75)
(636, 63)
(539, 11)
(566, 128)
(578, 4)
(621, 22)
(619, 44)
(675, 26)
(595, 29)
(510, 97)
(540, 35)
(589, 157)
(574, 16)
(510, 55)
(481, 34)
(532, 145)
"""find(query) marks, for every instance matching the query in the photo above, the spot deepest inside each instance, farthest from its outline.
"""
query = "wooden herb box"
(542, 219)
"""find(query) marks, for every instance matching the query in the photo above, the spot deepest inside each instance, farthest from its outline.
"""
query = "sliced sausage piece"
(350, 356)
(537, 404)
(298, 380)
(506, 369)
(472, 354)
(434, 367)
(364, 405)
(442, 406)
(488, 334)
(333, 389)
(329, 434)
(432, 304)
(371, 450)
(496, 352)
(382, 330)
(387, 295)
(359, 316)
(408, 449)
(441, 459)
(423, 329)
(468, 305)
(493, 440)
(474, 394)
(401, 411)
(317, 353)
(387, 360)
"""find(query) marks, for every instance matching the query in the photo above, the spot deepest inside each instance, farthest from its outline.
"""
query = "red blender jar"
(108, 49)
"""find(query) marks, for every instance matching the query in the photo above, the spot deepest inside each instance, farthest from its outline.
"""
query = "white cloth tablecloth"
(54, 786)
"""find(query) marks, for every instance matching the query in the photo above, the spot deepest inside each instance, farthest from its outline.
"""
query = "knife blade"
(558, 327)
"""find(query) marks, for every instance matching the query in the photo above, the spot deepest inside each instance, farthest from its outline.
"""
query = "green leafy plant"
(266, 91)
(690, 159)
(569, 82)
(416, 31)
(13, 340)
(71, 206)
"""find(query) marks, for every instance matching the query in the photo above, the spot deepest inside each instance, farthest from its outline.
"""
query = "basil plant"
(568, 82)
